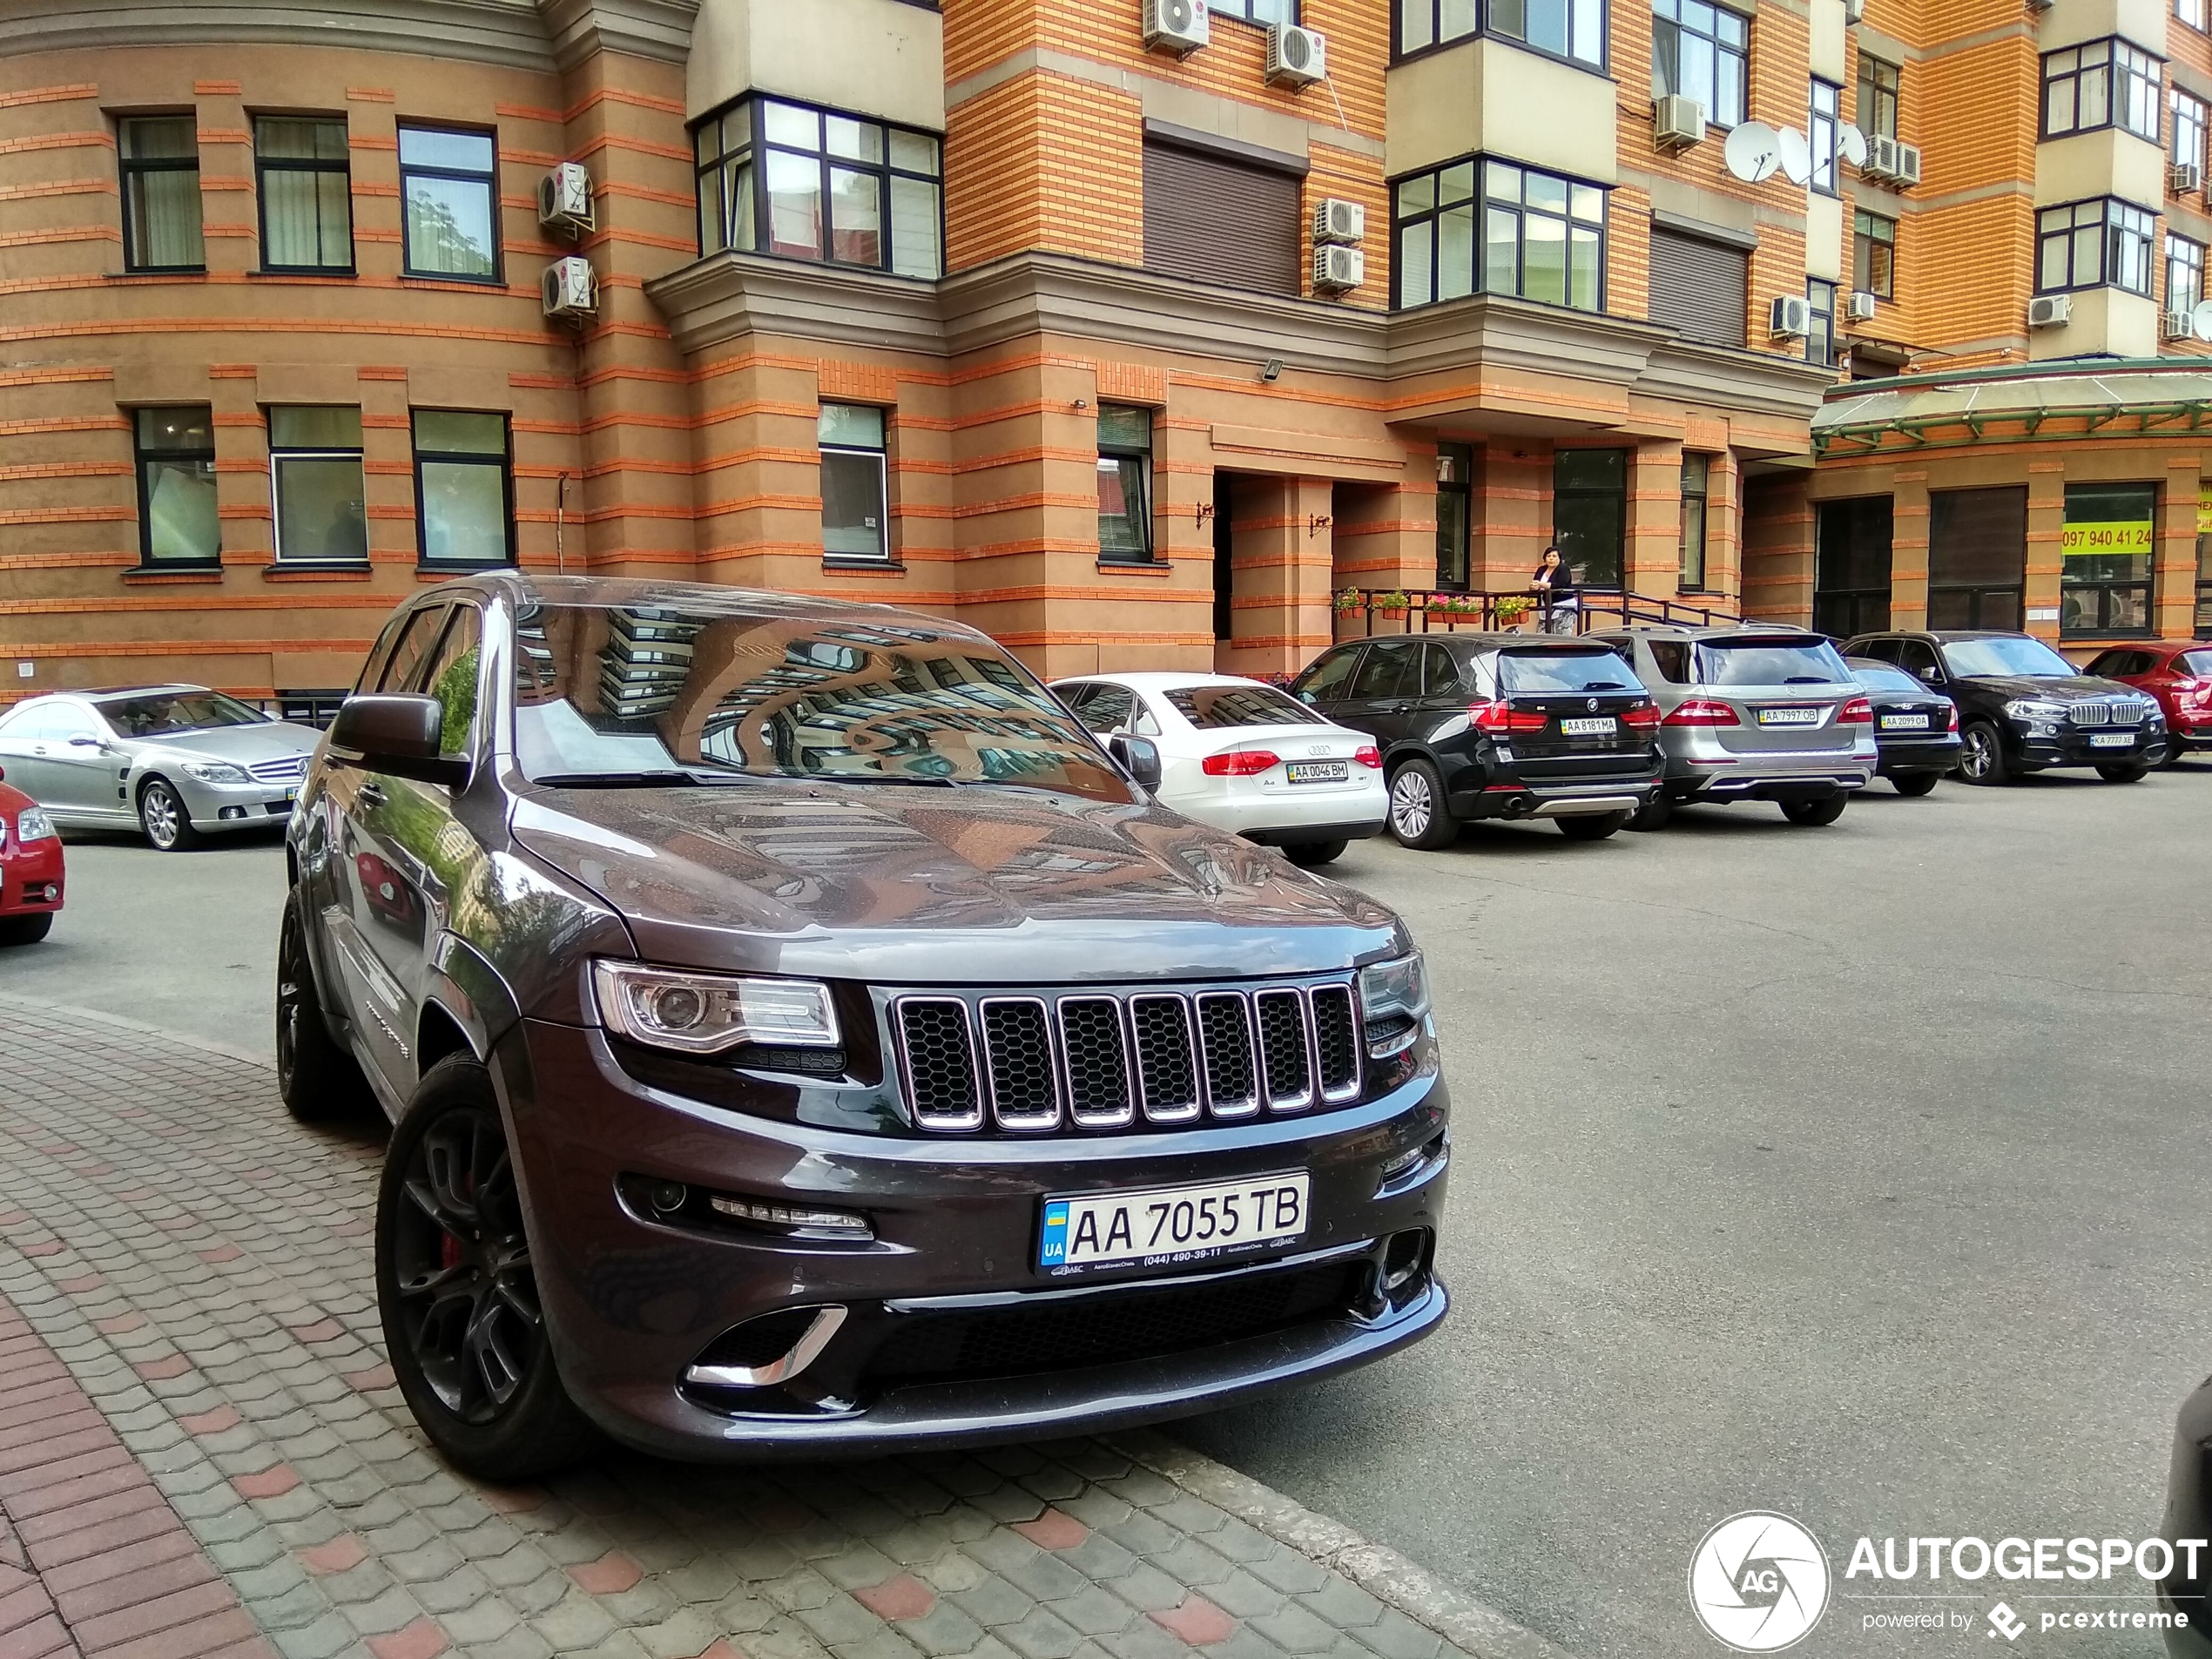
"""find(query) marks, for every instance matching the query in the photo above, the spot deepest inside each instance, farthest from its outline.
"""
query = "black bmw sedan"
(1916, 727)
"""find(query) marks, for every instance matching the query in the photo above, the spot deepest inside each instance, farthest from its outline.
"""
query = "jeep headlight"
(707, 1013)
(215, 772)
(1393, 1001)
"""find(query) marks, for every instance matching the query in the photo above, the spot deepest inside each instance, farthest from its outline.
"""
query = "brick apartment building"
(986, 307)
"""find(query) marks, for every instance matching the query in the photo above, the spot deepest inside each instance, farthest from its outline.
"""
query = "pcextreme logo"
(1758, 1582)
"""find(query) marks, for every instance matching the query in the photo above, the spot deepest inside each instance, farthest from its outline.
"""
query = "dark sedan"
(2187, 1591)
(2025, 708)
(1916, 727)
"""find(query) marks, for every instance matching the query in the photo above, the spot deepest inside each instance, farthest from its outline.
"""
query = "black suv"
(2022, 708)
(1495, 725)
(802, 1035)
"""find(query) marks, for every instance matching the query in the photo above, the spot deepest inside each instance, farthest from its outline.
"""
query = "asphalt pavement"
(1850, 1172)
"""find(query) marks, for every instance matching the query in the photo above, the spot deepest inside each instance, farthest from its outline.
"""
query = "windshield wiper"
(670, 780)
(871, 777)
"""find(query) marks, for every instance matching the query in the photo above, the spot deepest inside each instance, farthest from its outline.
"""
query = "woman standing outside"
(1555, 585)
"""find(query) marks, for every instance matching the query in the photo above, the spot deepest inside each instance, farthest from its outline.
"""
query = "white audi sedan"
(1244, 757)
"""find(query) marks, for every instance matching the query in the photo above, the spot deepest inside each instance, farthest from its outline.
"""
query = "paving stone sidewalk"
(200, 1266)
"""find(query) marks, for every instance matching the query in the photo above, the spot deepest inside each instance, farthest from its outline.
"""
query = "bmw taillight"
(1702, 711)
(1369, 756)
(1857, 711)
(1643, 717)
(1501, 717)
(1240, 763)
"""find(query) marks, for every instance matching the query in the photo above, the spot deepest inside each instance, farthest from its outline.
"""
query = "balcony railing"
(1421, 611)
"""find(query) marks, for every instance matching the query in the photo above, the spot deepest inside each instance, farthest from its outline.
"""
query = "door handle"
(372, 795)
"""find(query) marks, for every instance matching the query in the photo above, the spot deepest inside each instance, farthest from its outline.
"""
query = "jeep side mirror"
(398, 735)
(1138, 757)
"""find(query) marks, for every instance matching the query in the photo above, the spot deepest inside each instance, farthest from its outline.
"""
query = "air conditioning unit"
(1338, 269)
(1177, 26)
(1297, 57)
(564, 199)
(2183, 176)
(1861, 306)
(570, 289)
(2050, 311)
(1854, 11)
(1677, 121)
(2176, 324)
(1891, 160)
(1335, 220)
(1791, 318)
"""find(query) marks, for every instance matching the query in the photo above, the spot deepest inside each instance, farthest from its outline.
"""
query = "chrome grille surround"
(2090, 713)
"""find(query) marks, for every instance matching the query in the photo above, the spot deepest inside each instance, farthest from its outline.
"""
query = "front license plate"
(2113, 740)
(1170, 1224)
(1789, 717)
(1904, 723)
(291, 794)
(1319, 772)
(1604, 726)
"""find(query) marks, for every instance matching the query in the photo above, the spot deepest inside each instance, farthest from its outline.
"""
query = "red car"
(31, 868)
(2178, 673)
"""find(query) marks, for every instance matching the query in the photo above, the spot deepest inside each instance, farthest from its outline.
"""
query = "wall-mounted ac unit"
(1678, 123)
(1854, 11)
(1177, 26)
(1335, 220)
(2050, 311)
(1338, 269)
(2183, 176)
(2176, 325)
(1297, 57)
(564, 199)
(1791, 318)
(1861, 306)
(570, 290)
(1893, 161)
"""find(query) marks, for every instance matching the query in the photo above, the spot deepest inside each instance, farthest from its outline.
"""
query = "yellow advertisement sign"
(2204, 510)
(2127, 537)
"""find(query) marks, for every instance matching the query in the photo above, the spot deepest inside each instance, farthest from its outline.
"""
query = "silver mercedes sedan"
(179, 761)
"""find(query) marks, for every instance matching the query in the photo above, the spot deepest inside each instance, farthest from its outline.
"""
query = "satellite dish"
(1753, 152)
(2201, 320)
(1796, 156)
(1853, 144)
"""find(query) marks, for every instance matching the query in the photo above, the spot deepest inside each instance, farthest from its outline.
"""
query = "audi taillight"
(1369, 756)
(1240, 763)
(1857, 711)
(1643, 717)
(1702, 711)
(1501, 717)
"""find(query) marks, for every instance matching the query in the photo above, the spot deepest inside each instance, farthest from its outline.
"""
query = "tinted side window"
(1106, 708)
(1915, 656)
(1386, 672)
(420, 634)
(1440, 675)
(2114, 663)
(449, 675)
(381, 653)
(1882, 650)
(1671, 657)
(1326, 680)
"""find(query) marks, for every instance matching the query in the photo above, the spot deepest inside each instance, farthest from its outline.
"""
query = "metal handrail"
(1447, 610)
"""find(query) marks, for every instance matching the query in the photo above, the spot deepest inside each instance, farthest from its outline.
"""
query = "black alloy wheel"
(463, 1322)
(1981, 755)
(318, 1080)
(1813, 814)
(26, 930)
(1915, 783)
(163, 817)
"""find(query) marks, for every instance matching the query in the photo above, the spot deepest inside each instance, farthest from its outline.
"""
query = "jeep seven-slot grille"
(1095, 1060)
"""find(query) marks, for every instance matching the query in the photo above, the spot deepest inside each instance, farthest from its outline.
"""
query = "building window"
(1572, 29)
(2094, 245)
(1541, 237)
(2188, 144)
(2101, 83)
(1873, 255)
(1589, 513)
(449, 180)
(1696, 484)
(1423, 23)
(2191, 12)
(766, 169)
(160, 161)
(1699, 51)
(2184, 273)
(1454, 514)
(1825, 109)
(1124, 483)
(1259, 11)
(176, 459)
(464, 501)
(1977, 557)
(1218, 219)
(1878, 91)
(2106, 549)
(315, 480)
(855, 483)
(1820, 338)
(306, 190)
(1851, 586)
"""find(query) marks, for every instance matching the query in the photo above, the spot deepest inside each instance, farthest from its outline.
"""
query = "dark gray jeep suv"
(803, 1036)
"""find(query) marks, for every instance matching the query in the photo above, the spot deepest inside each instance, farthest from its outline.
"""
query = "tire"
(1813, 814)
(1418, 817)
(163, 817)
(462, 1323)
(1592, 826)
(25, 930)
(2133, 772)
(1982, 759)
(1653, 814)
(1914, 783)
(1311, 855)
(318, 1080)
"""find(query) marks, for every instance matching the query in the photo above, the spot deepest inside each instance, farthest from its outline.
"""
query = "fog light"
(669, 1197)
(1402, 1260)
(836, 1223)
(233, 812)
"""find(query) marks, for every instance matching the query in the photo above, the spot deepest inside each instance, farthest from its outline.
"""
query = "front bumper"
(2073, 747)
(32, 877)
(2188, 1515)
(634, 1301)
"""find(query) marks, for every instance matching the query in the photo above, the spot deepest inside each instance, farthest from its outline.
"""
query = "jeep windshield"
(662, 696)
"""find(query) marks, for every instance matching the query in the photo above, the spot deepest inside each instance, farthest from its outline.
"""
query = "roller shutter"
(1701, 288)
(1214, 220)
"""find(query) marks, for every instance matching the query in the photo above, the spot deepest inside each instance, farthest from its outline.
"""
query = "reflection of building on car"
(31, 873)
(2177, 675)
(178, 761)
(814, 1039)
(1244, 757)
(1916, 727)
